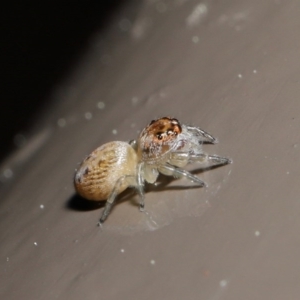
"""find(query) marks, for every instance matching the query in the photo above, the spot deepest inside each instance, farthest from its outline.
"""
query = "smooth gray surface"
(230, 67)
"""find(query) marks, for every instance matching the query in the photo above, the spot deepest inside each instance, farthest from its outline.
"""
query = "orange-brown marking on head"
(156, 139)
(163, 129)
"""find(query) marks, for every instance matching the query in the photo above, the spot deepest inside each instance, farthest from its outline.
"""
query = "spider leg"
(140, 190)
(182, 158)
(140, 187)
(124, 180)
(212, 159)
(205, 136)
(170, 170)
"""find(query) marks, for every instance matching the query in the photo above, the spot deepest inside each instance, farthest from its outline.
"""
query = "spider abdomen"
(99, 172)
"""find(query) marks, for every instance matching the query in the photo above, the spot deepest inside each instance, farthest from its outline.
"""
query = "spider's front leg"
(213, 160)
(171, 170)
(201, 134)
(183, 158)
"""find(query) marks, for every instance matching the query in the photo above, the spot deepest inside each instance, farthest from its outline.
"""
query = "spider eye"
(159, 136)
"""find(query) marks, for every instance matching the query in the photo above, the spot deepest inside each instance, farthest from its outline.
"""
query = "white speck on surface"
(124, 24)
(223, 283)
(132, 125)
(7, 258)
(254, 71)
(240, 76)
(88, 115)
(8, 173)
(114, 131)
(35, 243)
(101, 105)
(288, 172)
(195, 39)
(122, 250)
(257, 233)
(152, 262)
(198, 13)
(134, 100)
(61, 122)
(19, 140)
(295, 145)
(42, 206)
(140, 27)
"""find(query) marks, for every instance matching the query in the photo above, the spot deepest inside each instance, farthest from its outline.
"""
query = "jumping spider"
(164, 146)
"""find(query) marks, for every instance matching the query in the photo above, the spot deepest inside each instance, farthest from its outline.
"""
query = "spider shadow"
(79, 203)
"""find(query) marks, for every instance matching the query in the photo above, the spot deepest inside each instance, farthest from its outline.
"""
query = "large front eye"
(159, 135)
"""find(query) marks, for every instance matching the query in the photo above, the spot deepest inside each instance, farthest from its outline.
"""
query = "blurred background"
(41, 42)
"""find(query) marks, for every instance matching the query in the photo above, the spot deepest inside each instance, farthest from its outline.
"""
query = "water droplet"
(195, 39)
(101, 105)
(134, 100)
(8, 173)
(223, 283)
(61, 122)
(88, 115)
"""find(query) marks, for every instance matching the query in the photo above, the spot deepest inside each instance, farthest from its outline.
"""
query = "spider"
(164, 146)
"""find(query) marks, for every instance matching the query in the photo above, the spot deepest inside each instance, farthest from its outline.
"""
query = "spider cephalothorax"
(158, 138)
